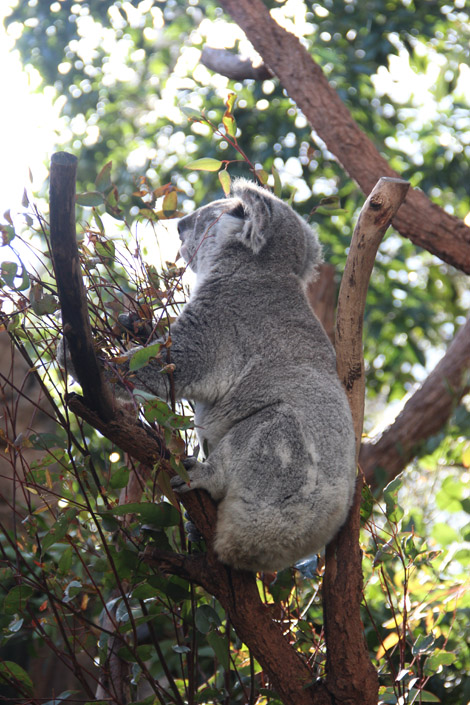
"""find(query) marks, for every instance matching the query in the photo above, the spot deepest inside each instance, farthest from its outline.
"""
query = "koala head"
(251, 222)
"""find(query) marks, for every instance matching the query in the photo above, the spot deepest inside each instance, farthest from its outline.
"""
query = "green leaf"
(367, 503)
(11, 672)
(282, 585)
(424, 645)
(65, 561)
(170, 203)
(58, 530)
(119, 478)
(25, 281)
(438, 659)
(422, 696)
(142, 356)
(191, 113)
(393, 510)
(230, 125)
(144, 592)
(277, 182)
(225, 180)
(89, 199)
(16, 599)
(161, 514)
(60, 698)
(205, 164)
(220, 646)
(8, 234)
(8, 271)
(205, 618)
(16, 624)
(180, 649)
(106, 250)
(41, 303)
(103, 181)
(72, 590)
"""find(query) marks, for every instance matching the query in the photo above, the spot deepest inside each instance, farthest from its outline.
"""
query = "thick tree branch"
(351, 678)
(233, 66)
(418, 219)
(424, 414)
(70, 287)
(374, 219)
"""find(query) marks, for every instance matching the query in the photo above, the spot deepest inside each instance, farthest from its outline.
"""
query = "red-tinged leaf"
(225, 180)
(43, 606)
(162, 190)
(262, 175)
(205, 164)
(230, 125)
(230, 102)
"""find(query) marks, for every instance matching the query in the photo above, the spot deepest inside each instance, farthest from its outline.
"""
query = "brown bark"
(418, 219)
(233, 66)
(351, 678)
(423, 415)
(374, 219)
(70, 287)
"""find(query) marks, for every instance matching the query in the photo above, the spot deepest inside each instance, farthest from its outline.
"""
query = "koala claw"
(177, 482)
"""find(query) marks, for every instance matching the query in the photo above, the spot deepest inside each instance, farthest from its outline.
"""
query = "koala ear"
(256, 209)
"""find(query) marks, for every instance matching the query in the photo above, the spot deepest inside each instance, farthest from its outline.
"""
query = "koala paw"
(191, 529)
(177, 482)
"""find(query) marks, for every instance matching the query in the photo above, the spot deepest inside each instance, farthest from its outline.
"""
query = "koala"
(251, 355)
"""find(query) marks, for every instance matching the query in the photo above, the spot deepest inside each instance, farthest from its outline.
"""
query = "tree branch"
(351, 677)
(374, 219)
(70, 287)
(233, 66)
(423, 415)
(420, 220)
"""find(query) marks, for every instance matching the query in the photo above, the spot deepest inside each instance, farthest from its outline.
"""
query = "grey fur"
(253, 357)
